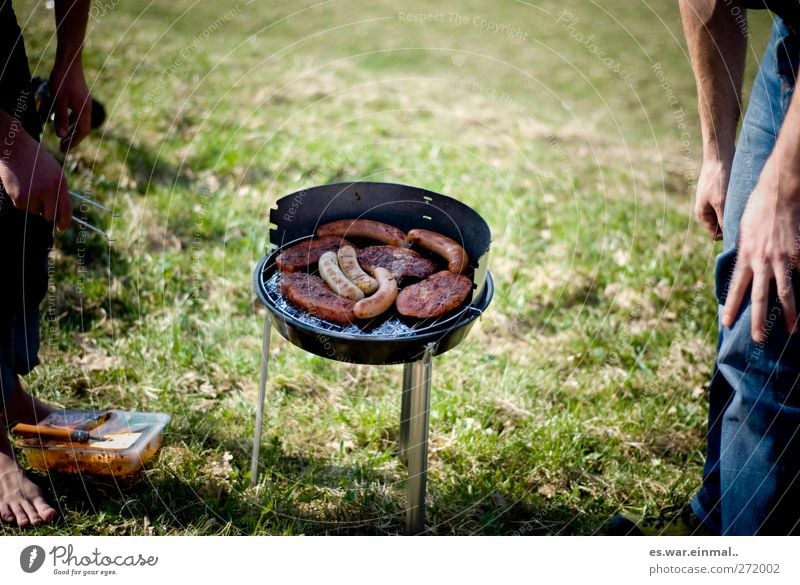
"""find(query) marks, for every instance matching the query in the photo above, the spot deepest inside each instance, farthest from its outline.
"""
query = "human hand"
(72, 104)
(768, 249)
(710, 200)
(34, 182)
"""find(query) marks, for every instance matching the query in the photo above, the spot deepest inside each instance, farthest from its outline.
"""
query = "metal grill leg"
(262, 394)
(417, 440)
(405, 404)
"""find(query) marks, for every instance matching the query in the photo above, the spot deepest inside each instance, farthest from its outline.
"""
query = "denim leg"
(750, 482)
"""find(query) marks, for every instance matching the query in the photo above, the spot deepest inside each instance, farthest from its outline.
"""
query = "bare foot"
(22, 407)
(21, 501)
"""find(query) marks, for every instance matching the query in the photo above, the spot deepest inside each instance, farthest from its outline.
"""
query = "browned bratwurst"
(302, 255)
(382, 300)
(450, 250)
(401, 262)
(363, 228)
(308, 292)
(434, 296)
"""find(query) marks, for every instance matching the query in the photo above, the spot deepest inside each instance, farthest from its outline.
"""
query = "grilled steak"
(310, 293)
(302, 255)
(401, 262)
(434, 296)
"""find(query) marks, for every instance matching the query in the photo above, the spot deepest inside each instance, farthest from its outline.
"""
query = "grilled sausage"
(348, 262)
(456, 256)
(334, 277)
(383, 298)
(363, 228)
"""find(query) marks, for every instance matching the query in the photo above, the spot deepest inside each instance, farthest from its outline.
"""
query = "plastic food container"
(125, 442)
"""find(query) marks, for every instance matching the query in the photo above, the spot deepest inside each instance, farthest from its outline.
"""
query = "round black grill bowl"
(393, 339)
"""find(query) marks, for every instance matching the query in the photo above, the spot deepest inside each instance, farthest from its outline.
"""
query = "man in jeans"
(34, 201)
(749, 195)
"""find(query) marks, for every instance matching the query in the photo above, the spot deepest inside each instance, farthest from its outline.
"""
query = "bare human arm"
(717, 44)
(72, 104)
(31, 177)
(769, 233)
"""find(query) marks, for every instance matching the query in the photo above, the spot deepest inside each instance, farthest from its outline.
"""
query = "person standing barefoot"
(34, 200)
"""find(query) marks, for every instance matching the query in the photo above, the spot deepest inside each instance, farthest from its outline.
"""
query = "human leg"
(22, 502)
(750, 483)
(25, 241)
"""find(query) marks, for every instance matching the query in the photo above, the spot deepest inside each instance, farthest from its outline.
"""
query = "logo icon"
(31, 558)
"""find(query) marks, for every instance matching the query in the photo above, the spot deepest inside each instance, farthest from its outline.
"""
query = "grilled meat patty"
(401, 262)
(434, 296)
(310, 293)
(302, 255)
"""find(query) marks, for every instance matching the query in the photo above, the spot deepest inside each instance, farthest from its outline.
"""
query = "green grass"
(580, 392)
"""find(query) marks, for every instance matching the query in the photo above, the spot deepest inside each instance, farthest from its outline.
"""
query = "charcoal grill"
(390, 339)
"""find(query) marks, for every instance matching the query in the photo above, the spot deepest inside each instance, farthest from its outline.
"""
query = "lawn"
(571, 127)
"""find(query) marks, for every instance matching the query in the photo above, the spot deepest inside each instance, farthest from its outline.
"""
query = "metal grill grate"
(391, 326)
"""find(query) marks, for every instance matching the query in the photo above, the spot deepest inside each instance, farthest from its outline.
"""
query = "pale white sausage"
(348, 262)
(334, 277)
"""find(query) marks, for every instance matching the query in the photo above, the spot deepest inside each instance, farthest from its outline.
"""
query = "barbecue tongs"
(86, 224)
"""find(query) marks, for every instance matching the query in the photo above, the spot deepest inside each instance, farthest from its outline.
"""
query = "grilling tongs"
(99, 206)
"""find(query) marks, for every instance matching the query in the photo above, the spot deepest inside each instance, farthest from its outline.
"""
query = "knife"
(46, 433)
(57, 433)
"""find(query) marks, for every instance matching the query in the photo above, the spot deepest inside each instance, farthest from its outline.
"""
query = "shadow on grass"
(296, 495)
(144, 165)
(82, 274)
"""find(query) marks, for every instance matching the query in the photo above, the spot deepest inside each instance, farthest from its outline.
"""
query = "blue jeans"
(751, 481)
